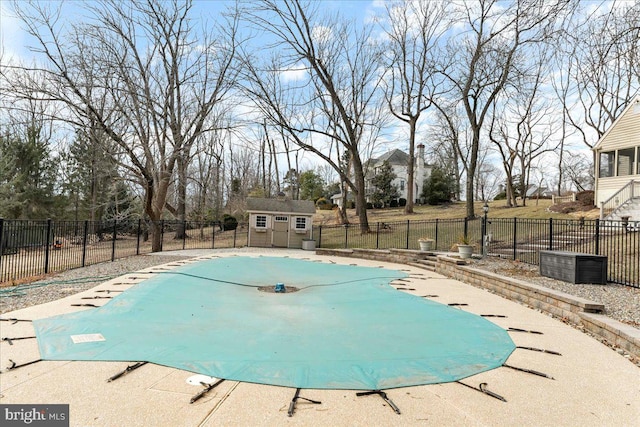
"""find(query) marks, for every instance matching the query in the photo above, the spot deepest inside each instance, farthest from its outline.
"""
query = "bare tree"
(600, 67)
(483, 58)
(136, 69)
(337, 102)
(414, 31)
(523, 127)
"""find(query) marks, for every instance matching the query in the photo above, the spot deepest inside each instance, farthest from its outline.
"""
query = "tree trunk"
(408, 208)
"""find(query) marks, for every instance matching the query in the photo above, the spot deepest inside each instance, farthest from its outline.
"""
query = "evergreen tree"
(311, 186)
(384, 190)
(438, 187)
(28, 175)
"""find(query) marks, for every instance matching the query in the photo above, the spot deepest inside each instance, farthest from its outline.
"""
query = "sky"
(14, 41)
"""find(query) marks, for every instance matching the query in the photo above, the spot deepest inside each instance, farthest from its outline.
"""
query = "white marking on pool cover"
(79, 339)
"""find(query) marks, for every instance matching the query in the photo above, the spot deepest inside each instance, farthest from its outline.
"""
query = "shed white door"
(281, 231)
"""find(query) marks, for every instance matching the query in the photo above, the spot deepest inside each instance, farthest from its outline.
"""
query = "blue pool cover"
(346, 328)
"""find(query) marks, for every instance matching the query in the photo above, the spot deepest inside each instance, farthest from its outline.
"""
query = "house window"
(626, 161)
(402, 185)
(282, 218)
(301, 223)
(607, 163)
(261, 221)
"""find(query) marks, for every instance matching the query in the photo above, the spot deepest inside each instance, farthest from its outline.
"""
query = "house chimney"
(420, 156)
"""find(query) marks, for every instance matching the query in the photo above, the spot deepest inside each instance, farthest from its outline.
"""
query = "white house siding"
(607, 187)
(623, 133)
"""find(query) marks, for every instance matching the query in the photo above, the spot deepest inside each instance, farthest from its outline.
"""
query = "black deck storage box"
(574, 267)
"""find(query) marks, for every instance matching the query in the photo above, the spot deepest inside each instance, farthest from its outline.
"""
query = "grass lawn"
(497, 209)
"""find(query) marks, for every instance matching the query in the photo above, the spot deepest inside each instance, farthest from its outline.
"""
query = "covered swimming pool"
(345, 327)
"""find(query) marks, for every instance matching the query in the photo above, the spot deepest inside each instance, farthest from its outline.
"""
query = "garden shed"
(279, 223)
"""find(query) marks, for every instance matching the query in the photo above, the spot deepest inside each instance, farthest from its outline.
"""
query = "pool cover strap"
(384, 396)
(294, 401)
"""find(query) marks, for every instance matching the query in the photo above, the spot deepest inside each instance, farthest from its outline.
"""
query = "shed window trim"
(261, 221)
(282, 218)
(300, 223)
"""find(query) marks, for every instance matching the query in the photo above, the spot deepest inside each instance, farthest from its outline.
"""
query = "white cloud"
(294, 73)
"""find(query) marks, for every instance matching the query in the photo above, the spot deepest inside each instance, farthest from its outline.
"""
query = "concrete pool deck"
(592, 384)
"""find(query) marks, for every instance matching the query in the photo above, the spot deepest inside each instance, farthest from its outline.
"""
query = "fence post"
(46, 251)
(378, 235)
(408, 226)
(184, 233)
(346, 236)
(235, 231)
(466, 228)
(515, 238)
(597, 237)
(138, 236)
(113, 246)
(320, 236)
(213, 235)
(436, 243)
(85, 233)
(161, 234)
(550, 234)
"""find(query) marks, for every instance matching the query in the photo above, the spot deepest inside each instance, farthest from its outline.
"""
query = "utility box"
(574, 267)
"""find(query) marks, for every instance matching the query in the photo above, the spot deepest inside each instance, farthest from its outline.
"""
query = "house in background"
(279, 223)
(399, 160)
(617, 186)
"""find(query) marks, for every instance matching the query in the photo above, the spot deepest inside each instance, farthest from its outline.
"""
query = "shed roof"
(255, 204)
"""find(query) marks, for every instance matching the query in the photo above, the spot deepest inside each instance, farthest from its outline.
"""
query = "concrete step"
(425, 264)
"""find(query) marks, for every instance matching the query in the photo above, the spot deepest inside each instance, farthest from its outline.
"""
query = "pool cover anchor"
(524, 330)
(10, 340)
(127, 370)
(207, 389)
(294, 401)
(13, 320)
(541, 350)
(384, 396)
(483, 389)
(14, 365)
(529, 371)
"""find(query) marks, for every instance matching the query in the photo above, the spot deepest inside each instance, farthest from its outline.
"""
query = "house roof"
(394, 157)
(255, 204)
(631, 105)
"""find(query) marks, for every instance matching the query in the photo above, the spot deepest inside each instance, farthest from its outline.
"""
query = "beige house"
(617, 186)
(279, 223)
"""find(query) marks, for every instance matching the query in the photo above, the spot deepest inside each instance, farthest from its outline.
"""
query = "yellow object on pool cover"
(345, 328)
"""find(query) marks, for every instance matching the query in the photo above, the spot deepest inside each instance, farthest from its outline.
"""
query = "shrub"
(585, 198)
(229, 222)
(393, 203)
(402, 202)
(323, 204)
(369, 205)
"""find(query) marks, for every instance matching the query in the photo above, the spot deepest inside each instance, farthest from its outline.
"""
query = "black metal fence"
(32, 248)
(511, 238)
